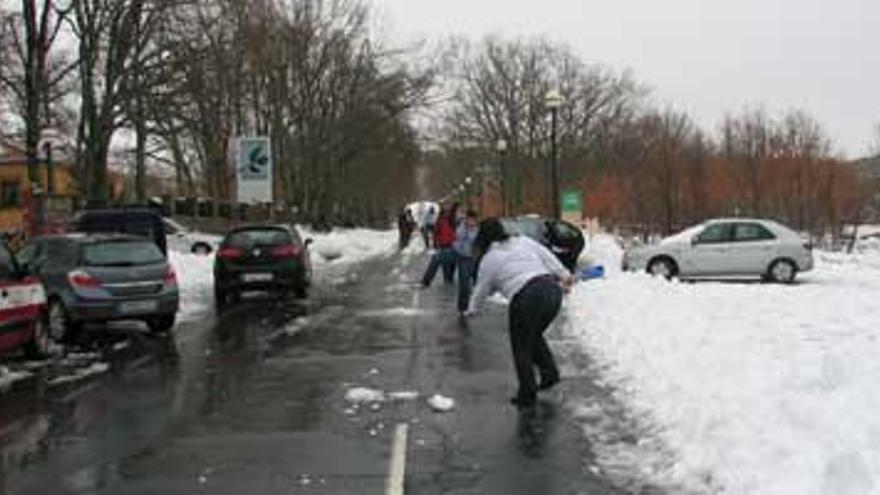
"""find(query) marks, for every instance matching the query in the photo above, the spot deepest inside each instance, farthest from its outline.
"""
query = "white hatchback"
(730, 247)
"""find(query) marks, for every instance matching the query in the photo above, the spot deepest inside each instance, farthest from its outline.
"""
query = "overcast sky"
(704, 56)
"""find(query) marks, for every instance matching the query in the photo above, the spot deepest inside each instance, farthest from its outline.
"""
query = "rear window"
(258, 237)
(122, 253)
(529, 228)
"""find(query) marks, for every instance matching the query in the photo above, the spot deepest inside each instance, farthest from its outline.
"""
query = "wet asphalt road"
(252, 402)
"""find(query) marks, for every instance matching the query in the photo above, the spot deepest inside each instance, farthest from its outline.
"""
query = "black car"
(562, 238)
(261, 258)
(134, 221)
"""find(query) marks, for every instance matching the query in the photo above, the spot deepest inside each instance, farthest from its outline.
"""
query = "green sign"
(572, 202)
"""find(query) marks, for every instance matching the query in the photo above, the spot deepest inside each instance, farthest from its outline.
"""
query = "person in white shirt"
(533, 280)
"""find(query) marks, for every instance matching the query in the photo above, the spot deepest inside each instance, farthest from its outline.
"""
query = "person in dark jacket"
(533, 280)
(405, 226)
(444, 256)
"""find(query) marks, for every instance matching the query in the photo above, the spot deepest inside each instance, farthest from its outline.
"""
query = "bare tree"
(34, 71)
(498, 91)
(113, 42)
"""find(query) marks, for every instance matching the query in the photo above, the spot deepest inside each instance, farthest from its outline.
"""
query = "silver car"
(735, 247)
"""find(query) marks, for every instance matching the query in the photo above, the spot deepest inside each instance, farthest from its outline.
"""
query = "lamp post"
(501, 147)
(553, 101)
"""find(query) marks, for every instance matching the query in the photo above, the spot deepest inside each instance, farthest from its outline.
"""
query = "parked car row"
(113, 265)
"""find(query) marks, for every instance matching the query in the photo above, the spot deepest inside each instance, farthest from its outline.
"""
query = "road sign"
(254, 170)
(572, 206)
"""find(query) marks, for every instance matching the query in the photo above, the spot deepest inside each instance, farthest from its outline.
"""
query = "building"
(15, 187)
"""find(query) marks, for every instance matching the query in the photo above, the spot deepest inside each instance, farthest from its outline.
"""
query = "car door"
(20, 302)
(709, 251)
(753, 248)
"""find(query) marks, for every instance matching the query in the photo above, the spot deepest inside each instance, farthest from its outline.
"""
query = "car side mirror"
(308, 242)
(695, 240)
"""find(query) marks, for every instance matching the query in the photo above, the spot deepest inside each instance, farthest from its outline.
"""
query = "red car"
(22, 309)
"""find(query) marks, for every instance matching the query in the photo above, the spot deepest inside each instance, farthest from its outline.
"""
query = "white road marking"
(397, 471)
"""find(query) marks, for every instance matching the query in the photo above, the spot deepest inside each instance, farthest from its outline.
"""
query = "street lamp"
(553, 100)
(501, 147)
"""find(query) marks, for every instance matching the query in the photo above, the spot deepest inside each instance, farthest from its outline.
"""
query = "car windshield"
(684, 236)
(122, 253)
(527, 227)
(258, 237)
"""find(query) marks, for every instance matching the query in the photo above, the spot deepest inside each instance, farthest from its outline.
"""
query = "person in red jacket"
(444, 238)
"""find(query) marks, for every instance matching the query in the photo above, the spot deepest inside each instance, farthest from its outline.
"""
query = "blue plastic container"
(596, 271)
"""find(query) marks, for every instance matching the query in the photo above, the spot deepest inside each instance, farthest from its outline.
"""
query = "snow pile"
(349, 245)
(195, 280)
(604, 250)
(754, 388)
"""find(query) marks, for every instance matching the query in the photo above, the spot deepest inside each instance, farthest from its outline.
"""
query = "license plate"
(132, 307)
(257, 277)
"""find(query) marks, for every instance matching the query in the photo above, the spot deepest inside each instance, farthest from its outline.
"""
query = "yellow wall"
(12, 218)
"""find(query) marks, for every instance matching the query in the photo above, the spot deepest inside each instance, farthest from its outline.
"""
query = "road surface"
(254, 402)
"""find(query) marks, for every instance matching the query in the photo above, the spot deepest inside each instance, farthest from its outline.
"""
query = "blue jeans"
(446, 258)
(466, 267)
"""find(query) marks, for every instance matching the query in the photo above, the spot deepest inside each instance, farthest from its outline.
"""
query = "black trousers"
(531, 311)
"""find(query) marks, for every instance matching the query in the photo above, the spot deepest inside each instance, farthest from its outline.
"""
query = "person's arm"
(485, 285)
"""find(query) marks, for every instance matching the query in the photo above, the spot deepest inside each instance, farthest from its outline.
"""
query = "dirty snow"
(748, 388)
(94, 369)
(360, 395)
(8, 377)
(440, 403)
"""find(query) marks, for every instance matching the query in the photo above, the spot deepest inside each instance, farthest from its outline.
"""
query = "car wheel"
(61, 328)
(161, 324)
(201, 248)
(662, 267)
(782, 272)
(38, 346)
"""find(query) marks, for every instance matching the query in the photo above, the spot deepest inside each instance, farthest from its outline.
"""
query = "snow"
(349, 245)
(8, 377)
(440, 403)
(195, 279)
(745, 388)
(340, 248)
(360, 395)
(94, 369)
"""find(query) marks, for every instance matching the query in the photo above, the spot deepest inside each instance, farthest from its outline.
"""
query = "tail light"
(230, 253)
(83, 279)
(286, 251)
(170, 278)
